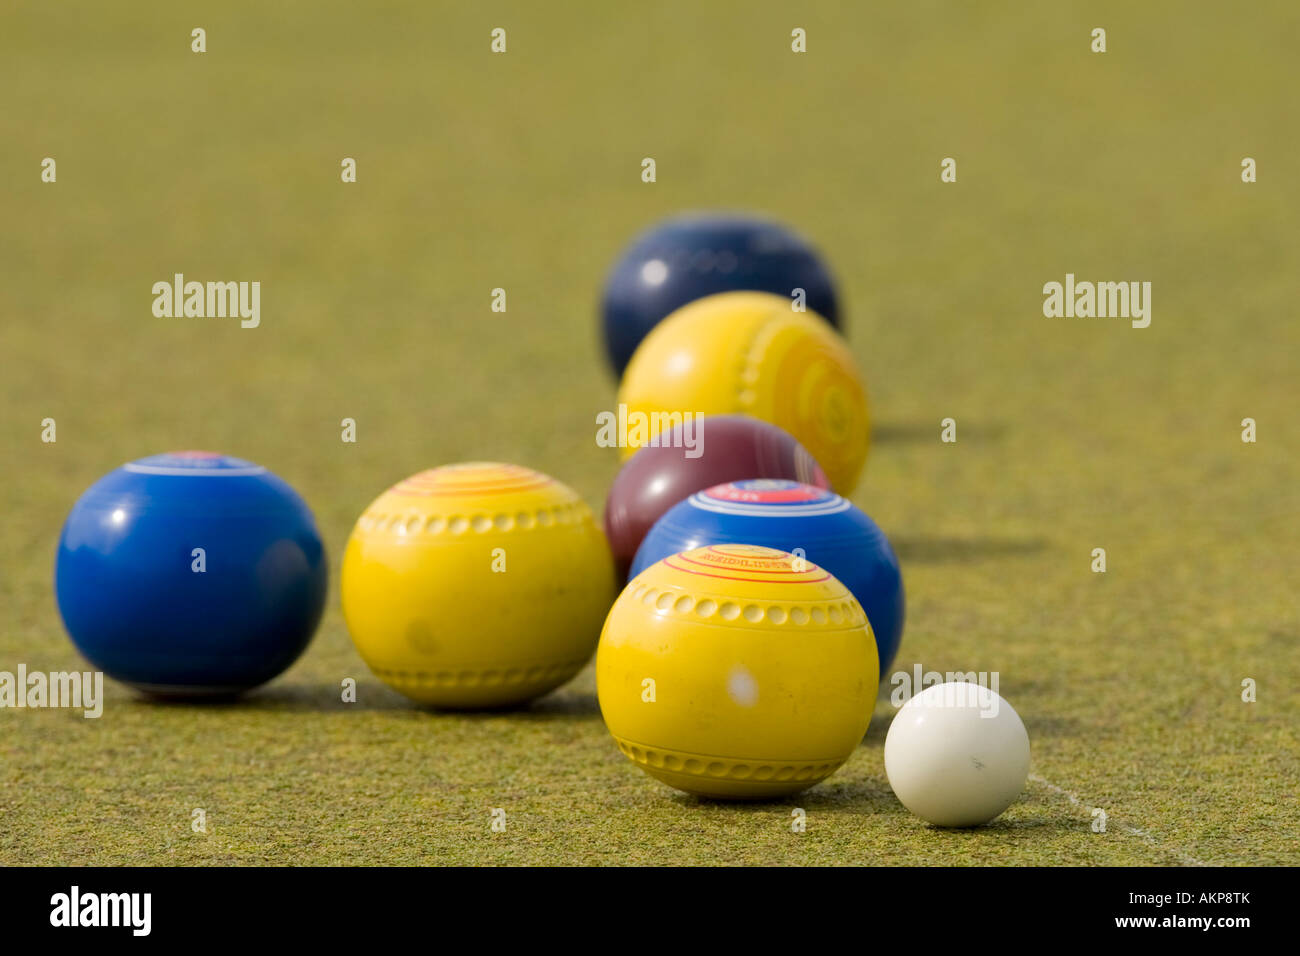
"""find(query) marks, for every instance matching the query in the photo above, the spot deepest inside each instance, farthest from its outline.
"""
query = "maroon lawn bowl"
(731, 448)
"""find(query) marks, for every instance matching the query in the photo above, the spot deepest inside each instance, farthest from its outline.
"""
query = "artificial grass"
(521, 171)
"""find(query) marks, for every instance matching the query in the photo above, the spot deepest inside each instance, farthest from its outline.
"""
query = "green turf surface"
(522, 171)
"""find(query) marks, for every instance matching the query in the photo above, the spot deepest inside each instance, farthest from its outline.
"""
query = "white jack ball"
(957, 754)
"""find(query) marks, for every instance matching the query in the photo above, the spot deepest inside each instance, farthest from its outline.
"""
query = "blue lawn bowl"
(824, 528)
(190, 574)
(692, 256)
